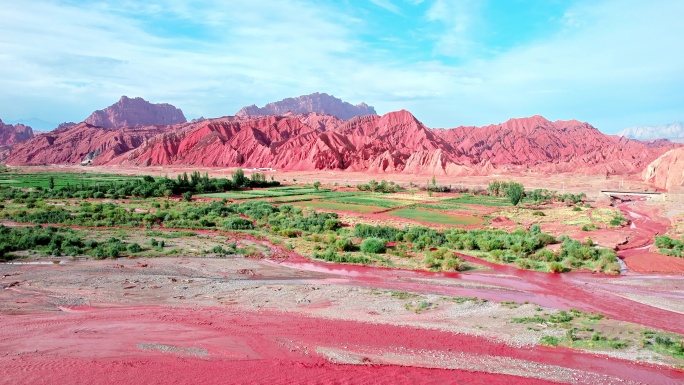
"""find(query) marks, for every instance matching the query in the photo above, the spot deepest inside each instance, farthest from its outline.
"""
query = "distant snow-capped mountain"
(673, 132)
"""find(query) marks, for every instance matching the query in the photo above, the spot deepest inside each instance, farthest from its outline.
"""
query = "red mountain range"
(394, 143)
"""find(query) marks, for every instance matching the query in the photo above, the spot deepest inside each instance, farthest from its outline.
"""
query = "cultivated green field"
(372, 200)
(233, 195)
(328, 205)
(274, 192)
(428, 216)
(481, 200)
(445, 205)
(295, 198)
(42, 179)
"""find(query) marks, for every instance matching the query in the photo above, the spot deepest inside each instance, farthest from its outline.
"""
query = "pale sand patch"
(439, 359)
(675, 305)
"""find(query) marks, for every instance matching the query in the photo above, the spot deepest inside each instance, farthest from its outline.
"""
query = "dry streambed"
(239, 285)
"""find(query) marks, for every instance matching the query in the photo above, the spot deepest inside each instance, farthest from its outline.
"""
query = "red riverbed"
(160, 345)
(637, 253)
(585, 291)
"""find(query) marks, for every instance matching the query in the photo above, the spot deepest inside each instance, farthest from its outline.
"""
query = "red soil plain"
(288, 320)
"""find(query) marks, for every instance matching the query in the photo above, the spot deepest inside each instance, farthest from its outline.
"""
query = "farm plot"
(61, 179)
(336, 206)
(481, 200)
(262, 193)
(428, 216)
(372, 200)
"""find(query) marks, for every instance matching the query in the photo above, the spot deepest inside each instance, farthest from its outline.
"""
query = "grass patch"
(419, 306)
(443, 206)
(328, 205)
(368, 199)
(170, 234)
(295, 198)
(482, 200)
(234, 195)
(434, 217)
(465, 299)
(61, 179)
(402, 295)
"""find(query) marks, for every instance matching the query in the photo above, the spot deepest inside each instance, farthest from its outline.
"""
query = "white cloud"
(387, 5)
(615, 63)
(457, 18)
(100, 52)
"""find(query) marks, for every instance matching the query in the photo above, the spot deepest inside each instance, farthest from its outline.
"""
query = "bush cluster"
(59, 241)
(374, 186)
(148, 186)
(669, 246)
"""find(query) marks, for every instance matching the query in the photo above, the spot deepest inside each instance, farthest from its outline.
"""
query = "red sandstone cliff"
(667, 172)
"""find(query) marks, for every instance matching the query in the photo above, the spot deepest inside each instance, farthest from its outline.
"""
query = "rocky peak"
(65, 125)
(321, 103)
(13, 134)
(136, 112)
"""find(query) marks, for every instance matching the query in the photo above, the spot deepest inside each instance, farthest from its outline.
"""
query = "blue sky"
(612, 63)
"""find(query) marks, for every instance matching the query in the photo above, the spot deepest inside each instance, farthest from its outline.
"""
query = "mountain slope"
(394, 143)
(561, 146)
(316, 102)
(79, 143)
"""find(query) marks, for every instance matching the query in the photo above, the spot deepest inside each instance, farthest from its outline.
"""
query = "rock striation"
(320, 103)
(135, 112)
(673, 132)
(393, 143)
(667, 172)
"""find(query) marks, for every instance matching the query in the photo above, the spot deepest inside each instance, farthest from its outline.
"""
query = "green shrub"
(556, 267)
(618, 219)
(291, 233)
(373, 245)
(134, 248)
(218, 249)
(237, 223)
(344, 244)
(549, 341)
(454, 263)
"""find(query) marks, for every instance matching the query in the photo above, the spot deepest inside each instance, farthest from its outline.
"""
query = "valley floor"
(268, 312)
